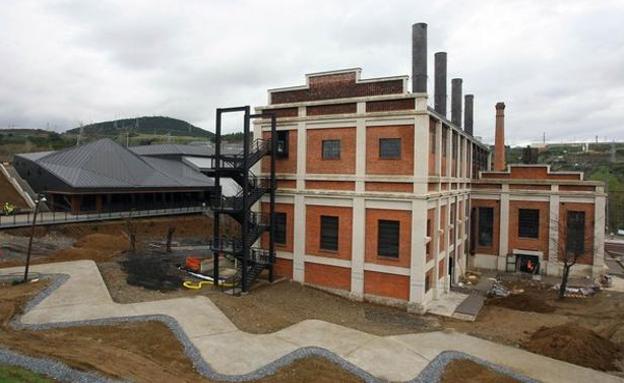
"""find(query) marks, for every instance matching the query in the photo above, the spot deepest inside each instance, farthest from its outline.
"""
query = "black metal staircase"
(251, 259)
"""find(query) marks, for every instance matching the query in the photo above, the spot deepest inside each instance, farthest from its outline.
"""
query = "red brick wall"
(528, 187)
(390, 105)
(400, 187)
(538, 244)
(332, 86)
(283, 268)
(289, 209)
(577, 188)
(531, 172)
(286, 184)
(376, 165)
(405, 236)
(432, 148)
(328, 276)
(430, 231)
(330, 185)
(442, 269)
(313, 230)
(588, 208)
(317, 110)
(492, 250)
(283, 112)
(283, 165)
(315, 164)
(386, 285)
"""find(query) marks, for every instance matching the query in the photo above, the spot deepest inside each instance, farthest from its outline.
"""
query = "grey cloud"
(556, 64)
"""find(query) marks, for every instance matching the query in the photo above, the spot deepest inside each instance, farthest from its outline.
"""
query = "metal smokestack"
(456, 101)
(419, 58)
(469, 113)
(440, 83)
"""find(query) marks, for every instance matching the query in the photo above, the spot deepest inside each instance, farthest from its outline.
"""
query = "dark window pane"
(388, 238)
(280, 228)
(390, 148)
(575, 236)
(486, 226)
(282, 143)
(528, 223)
(329, 233)
(331, 149)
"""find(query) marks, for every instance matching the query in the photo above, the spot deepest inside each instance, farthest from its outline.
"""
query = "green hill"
(157, 125)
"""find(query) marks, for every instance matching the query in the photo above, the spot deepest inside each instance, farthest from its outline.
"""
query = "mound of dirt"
(576, 345)
(467, 371)
(522, 302)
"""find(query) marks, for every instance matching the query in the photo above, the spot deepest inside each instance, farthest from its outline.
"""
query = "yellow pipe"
(199, 285)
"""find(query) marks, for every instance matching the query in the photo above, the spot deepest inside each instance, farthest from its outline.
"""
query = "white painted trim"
(540, 254)
(284, 255)
(327, 261)
(381, 121)
(388, 204)
(587, 199)
(329, 201)
(396, 270)
(535, 198)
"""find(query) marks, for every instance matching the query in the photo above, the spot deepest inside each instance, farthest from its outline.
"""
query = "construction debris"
(497, 289)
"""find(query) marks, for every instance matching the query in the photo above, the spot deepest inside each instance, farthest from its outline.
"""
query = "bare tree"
(170, 232)
(131, 234)
(575, 241)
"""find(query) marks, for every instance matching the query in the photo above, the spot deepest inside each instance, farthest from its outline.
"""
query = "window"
(329, 233)
(390, 148)
(486, 226)
(428, 281)
(331, 149)
(444, 140)
(430, 235)
(575, 236)
(280, 228)
(282, 143)
(388, 238)
(528, 223)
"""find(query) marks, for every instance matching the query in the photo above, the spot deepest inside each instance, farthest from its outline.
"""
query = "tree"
(575, 241)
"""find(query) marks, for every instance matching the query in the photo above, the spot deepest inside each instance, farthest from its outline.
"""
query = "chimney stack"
(499, 143)
(419, 58)
(440, 83)
(456, 101)
(468, 113)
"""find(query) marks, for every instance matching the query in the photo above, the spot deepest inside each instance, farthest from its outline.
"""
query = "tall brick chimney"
(499, 143)
(419, 58)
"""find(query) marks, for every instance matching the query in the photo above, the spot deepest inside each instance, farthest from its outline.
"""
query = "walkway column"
(300, 239)
(599, 235)
(359, 248)
(552, 267)
(417, 260)
(503, 237)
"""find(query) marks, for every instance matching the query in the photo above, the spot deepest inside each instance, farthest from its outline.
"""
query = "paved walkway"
(230, 351)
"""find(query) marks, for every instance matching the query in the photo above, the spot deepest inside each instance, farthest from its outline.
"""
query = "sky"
(557, 65)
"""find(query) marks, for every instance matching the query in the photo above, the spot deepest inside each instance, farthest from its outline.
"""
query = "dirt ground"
(518, 320)
(142, 351)
(9, 194)
(269, 308)
(467, 371)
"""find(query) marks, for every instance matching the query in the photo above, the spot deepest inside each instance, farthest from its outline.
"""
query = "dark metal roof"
(106, 164)
(174, 150)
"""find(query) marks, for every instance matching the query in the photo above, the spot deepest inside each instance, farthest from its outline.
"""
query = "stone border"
(431, 373)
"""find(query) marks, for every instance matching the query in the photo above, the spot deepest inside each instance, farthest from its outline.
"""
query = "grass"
(13, 374)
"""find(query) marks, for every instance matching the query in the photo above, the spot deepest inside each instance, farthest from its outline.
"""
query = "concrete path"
(230, 351)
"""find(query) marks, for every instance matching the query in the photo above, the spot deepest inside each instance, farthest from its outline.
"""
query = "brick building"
(375, 186)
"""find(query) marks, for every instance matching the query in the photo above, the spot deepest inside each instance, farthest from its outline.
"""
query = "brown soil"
(575, 344)
(141, 351)
(190, 226)
(522, 302)
(269, 308)
(467, 371)
(97, 247)
(9, 194)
